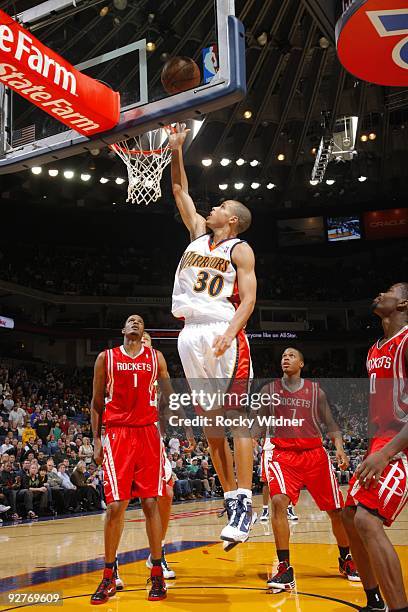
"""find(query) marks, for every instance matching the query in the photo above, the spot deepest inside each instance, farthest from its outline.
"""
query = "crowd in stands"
(123, 271)
(46, 455)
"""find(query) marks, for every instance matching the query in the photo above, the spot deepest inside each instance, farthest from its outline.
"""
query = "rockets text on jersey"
(131, 396)
(205, 286)
(301, 404)
(388, 388)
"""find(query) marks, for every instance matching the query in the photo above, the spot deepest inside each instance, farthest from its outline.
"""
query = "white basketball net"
(145, 157)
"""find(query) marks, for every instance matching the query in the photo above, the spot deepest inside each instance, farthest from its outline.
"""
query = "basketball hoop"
(146, 157)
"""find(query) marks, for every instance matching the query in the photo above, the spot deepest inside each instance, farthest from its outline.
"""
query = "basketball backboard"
(124, 60)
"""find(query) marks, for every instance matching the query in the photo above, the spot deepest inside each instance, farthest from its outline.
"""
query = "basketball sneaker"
(265, 515)
(381, 608)
(168, 573)
(106, 588)
(120, 585)
(158, 590)
(241, 520)
(283, 580)
(291, 514)
(347, 568)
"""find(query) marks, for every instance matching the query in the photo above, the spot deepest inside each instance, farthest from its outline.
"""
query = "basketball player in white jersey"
(215, 293)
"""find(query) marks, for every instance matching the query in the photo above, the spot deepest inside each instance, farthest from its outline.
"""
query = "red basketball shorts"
(289, 471)
(391, 494)
(133, 463)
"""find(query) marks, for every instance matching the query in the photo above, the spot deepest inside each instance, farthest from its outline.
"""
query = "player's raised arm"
(194, 222)
(244, 260)
(333, 430)
(97, 405)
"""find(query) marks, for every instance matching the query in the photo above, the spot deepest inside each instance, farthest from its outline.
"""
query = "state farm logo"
(23, 49)
(391, 223)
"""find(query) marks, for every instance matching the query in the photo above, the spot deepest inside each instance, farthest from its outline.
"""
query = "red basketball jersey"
(131, 398)
(300, 404)
(388, 388)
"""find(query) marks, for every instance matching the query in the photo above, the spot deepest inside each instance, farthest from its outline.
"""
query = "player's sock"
(246, 492)
(163, 542)
(110, 565)
(374, 598)
(231, 494)
(344, 551)
(283, 555)
(156, 562)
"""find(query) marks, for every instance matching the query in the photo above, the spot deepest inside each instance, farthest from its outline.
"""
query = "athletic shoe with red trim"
(158, 590)
(106, 588)
(120, 585)
(347, 568)
(283, 580)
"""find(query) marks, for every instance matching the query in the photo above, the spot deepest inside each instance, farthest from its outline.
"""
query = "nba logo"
(210, 63)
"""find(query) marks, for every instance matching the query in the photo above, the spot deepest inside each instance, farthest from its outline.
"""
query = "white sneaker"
(264, 518)
(241, 521)
(291, 514)
(4, 508)
(168, 573)
(120, 585)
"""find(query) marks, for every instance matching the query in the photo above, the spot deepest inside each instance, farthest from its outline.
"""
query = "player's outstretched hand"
(342, 459)
(98, 452)
(369, 472)
(177, 135)
(221, 344)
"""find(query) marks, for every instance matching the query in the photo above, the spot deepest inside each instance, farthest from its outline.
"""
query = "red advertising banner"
(380, 224)
(47, 80)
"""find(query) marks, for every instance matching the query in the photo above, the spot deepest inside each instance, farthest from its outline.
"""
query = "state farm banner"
(47, 80)
(380, 224)
(7, 323)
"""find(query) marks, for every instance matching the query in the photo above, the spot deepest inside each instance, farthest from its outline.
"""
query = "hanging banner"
(372, 41)
(6, 323)
(47, 80)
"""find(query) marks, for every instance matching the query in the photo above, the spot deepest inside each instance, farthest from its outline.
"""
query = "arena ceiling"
(296, 91)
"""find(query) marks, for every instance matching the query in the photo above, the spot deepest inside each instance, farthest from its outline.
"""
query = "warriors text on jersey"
(302, 405)
(388, 387)
(205, 287)
(130, 389)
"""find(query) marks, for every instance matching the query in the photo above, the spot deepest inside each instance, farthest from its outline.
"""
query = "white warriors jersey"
(206, 287)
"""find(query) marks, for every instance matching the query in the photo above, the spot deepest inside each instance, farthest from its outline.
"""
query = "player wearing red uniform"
(125, 400)
(379, 490)
(301, 460)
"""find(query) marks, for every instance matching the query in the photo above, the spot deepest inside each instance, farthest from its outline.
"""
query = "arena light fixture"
(223, 186)
(247, 114)
(372, 136)
(281, 157)
(151, 46)
(314, 182)
(119, 180)
(313, 151)
(103, 180)
(254, 163)
(255, 185)
(271, 186)
(207, 162)
(363, 137)
(85, 177)
(238, 186)
(362, 179)
(225, 161)
(36, 169)
(240, 162)
(53, 172)
(68, 174)
(330, 182)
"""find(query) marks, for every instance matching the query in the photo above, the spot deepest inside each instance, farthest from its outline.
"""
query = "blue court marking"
(91, 565)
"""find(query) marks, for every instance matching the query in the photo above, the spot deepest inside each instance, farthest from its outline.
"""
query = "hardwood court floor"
(66, 556)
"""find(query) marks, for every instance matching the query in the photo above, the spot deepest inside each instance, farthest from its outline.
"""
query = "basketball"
(180, 74)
